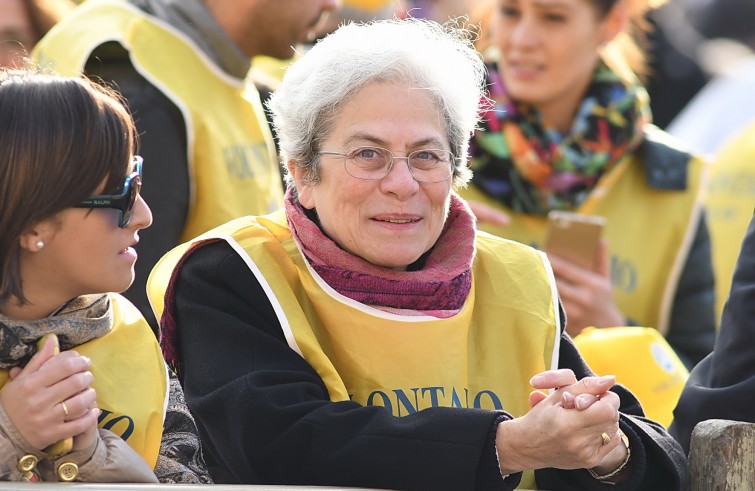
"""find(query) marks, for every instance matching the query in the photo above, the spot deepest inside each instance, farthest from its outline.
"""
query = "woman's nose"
(142, 215)
(399, 179)
(523, 34)
(331, 5)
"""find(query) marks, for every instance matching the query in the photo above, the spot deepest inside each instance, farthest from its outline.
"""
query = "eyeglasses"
(374, 163)
(124, 201)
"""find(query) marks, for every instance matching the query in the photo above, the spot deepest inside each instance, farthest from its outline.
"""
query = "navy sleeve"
(722, 386)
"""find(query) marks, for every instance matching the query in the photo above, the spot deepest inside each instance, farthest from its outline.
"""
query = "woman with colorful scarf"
(85, 394)
(567, 127)
(366, 335)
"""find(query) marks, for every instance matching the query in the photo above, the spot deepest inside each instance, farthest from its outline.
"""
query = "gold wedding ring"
(65, 411)
(606, 438)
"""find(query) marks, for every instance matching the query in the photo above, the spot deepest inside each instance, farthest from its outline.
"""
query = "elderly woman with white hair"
(367, 335)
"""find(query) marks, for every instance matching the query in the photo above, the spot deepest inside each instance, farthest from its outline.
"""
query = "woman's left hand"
(587, 296)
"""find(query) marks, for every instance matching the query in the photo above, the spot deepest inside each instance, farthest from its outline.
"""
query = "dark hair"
(61, 138)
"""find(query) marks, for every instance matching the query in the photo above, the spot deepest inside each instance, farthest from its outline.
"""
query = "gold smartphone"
(574, 237)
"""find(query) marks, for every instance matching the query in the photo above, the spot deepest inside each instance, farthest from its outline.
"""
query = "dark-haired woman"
(95, 402)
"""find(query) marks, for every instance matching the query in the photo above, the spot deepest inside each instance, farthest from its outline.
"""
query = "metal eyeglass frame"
(348, 155)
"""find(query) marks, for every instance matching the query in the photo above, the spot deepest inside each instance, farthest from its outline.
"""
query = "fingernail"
(597, 381)
(536, 380)
(567, 400)
(582, 401)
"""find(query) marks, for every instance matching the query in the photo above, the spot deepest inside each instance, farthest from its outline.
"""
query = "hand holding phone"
(574, 237)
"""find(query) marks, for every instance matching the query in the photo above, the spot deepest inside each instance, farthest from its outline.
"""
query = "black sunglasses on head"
(124, 201)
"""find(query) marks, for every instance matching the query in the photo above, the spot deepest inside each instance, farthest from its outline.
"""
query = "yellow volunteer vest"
(481, 358)
(729, 203)
(130, 380)
(649, 232)
(232, 161)
(268, 70)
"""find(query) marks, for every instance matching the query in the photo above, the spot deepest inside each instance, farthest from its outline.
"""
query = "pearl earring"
(39, 244)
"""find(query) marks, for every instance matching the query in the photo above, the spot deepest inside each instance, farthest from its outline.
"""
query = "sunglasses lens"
(133, 192)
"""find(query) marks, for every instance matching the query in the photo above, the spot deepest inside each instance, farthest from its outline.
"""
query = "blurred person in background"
(720, 122)
(675, 71)
(722, 386)
(86, 395)
(363, 11)
(23, 23)
(569, 128)
(440, 10)
(730, 202)
(182, 66)
(726, 105)
(267, 71)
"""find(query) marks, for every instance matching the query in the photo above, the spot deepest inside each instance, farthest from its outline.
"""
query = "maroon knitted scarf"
(438, 288)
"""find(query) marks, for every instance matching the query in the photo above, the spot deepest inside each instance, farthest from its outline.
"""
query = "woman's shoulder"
(506, 250)
(212, 256)
(492, 240)
(666, 160)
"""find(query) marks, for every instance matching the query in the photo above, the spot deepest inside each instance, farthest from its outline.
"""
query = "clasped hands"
(51, 399)
(563, 429)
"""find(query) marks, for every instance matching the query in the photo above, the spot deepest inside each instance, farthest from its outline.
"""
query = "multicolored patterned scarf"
(437, 285)
(532, 168)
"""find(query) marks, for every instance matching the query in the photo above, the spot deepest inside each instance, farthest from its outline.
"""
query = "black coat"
(265, 415)
(722, 386)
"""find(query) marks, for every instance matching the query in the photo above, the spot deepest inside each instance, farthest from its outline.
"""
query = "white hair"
(423, 53)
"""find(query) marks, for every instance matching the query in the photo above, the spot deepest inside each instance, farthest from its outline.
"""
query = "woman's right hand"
(34, 395)
(587, 295)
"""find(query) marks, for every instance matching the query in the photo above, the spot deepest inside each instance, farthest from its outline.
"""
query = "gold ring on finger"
(606, 438)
